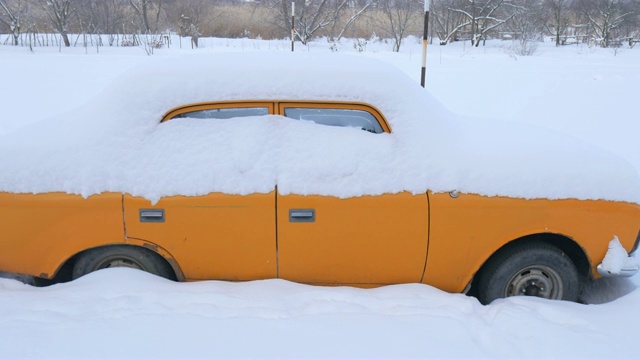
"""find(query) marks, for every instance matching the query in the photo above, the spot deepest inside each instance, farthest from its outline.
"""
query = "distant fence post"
(293, 26)
(423, 74)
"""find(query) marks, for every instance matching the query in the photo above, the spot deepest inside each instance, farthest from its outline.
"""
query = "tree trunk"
(65, 39)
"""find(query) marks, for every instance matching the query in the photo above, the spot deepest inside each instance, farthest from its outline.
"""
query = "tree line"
(123, 22)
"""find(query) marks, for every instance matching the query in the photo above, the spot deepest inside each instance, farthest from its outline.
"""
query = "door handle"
(152, 215)
(302, 215)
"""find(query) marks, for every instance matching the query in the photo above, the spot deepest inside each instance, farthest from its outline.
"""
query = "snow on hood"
(116, 143)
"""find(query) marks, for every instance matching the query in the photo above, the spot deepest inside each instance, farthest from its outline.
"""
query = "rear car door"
(215, 236)
(212, 236)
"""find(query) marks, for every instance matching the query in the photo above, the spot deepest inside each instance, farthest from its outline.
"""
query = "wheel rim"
(538, 280)
(120, 262)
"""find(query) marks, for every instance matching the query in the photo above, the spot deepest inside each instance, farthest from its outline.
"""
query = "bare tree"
(445, 21)
(399, 16)
(483, 16)
(101, 16)
(12, 15)
(476, 20)
(558, 18)
(190, 17)
(631, 26)
(144, 9)
(311, 16)
(59, 13)
(527, 26)
(606, 16)
(356, 10)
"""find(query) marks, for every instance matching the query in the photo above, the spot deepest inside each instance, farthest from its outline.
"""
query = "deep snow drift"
(123, 313)
(588, 93)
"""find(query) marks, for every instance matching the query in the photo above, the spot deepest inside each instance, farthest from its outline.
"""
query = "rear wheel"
(529, 269)
(121, 256)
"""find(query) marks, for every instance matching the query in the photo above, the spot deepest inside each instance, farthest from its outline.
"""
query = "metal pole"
(424, 42)
(293, 14)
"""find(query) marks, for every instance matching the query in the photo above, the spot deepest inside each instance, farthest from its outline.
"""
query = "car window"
(355, 115)
(359, 119)
(224, 113)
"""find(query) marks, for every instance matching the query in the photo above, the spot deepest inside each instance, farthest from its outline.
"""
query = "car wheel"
(121, 256)
(530, 269)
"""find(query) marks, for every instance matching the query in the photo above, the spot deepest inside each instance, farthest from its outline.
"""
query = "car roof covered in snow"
(117, 143)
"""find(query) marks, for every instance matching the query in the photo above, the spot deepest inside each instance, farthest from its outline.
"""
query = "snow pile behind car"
(116, 143)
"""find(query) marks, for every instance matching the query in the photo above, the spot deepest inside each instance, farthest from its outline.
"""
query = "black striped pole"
(424, 42)
(293, 29)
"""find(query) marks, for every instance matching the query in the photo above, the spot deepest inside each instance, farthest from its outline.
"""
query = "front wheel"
(530, 269)
(121, 256)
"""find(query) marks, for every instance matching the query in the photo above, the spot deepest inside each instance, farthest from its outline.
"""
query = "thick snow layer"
(128, 314)
(116, 143)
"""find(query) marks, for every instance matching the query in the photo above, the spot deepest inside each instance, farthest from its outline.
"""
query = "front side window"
(224, 113)
(358, 119)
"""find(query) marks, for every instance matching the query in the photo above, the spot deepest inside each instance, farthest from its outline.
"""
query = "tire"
(530, 269)
(121, 256)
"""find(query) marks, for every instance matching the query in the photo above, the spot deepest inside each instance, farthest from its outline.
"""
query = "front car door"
(359, 240)
(363, 240)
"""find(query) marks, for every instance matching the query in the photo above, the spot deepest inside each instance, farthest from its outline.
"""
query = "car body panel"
(214, 236)
(362, 240)
(466, 230)
(42, 231)
(353, 241)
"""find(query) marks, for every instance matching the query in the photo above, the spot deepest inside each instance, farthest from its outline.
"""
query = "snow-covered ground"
(589, 93)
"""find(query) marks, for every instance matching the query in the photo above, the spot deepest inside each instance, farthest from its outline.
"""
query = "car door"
(214, 236)
(359, 240)
(217, 235)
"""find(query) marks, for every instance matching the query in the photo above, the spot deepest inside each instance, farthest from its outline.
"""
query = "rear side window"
(224, 113)
(358, 119)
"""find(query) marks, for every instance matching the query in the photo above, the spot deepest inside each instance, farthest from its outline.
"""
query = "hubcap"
(537, 280)
(120, 262)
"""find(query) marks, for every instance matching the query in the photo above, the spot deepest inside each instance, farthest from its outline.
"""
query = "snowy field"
(589, 93)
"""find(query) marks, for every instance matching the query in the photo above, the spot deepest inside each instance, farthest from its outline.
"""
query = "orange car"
(489, 245)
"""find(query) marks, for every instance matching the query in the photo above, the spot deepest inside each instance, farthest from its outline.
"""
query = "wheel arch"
(63, 273)
(565, 243)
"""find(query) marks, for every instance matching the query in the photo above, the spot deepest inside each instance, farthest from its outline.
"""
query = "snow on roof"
(116, 143)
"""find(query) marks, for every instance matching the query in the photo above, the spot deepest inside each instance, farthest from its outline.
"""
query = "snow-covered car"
(320, 169)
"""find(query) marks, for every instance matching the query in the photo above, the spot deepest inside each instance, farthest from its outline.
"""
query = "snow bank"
(115, 143)
(128, 314)
(616, 259)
